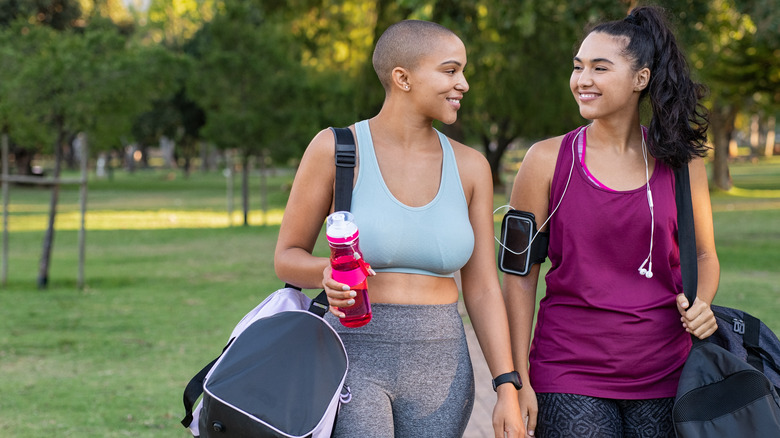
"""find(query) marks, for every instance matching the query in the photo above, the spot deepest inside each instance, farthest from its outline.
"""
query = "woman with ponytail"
(612, 333)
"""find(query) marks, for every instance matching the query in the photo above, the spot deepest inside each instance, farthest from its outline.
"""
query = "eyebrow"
(452, 61)
(595, 60)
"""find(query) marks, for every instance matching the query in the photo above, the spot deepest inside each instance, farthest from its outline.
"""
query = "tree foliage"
(267, 74)
(248, 80)
(88, 80)
(733, 46)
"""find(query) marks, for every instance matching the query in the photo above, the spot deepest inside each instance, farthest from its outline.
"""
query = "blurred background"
(160, 125)
(185, 83)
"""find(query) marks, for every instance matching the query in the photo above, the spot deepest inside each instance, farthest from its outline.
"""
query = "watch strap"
(512, 377)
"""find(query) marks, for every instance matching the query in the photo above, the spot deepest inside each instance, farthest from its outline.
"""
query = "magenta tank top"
(602, 329)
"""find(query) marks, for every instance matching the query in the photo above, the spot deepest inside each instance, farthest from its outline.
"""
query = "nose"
(584, 78)
(462, 85)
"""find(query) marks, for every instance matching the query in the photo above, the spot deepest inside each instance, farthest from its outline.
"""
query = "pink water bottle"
(348, 266)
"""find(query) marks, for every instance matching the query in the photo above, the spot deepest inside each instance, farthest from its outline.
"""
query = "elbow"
(708, 259)
(280, 267)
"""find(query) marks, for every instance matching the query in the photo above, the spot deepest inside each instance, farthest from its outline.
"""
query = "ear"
(400, 78)
(641, 79)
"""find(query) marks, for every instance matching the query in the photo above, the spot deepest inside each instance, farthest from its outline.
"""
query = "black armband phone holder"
(518, 231)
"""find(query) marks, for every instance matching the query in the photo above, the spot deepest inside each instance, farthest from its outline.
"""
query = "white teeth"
(587, 96)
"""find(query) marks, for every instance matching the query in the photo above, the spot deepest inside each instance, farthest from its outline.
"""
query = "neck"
(622, 137)
(400, 127)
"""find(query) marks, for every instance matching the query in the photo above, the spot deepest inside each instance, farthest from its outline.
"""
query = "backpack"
(283, 369)
(723, 391)
(280, 375)
(749, 339)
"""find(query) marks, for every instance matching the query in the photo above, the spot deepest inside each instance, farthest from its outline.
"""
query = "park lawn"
(164, 288)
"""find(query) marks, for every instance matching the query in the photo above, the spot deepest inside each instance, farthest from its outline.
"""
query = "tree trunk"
(722, 127)
(48, 238)
(23, 159)
(755, 134)
(494, 158)
(769, 148)
(245, 188)
(264, 186)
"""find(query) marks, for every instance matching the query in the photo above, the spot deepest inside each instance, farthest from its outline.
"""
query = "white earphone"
(648, 273)
(571, 169)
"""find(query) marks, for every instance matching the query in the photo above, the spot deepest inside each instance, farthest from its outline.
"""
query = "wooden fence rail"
(7, 179)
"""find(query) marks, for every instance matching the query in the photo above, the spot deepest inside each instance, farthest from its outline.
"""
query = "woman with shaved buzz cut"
(423, 203)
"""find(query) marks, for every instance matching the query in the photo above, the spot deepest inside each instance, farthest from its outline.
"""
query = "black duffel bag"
(723, 391)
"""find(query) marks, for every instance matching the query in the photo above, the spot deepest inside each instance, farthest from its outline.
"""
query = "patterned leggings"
(571, 415)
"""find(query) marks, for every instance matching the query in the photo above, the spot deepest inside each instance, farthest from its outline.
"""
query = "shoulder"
(542, 156)
(321, 146)
(472, 164)
(318, 163)
(531, 187)
(467, 154)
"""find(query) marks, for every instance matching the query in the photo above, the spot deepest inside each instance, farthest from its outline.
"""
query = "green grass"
(167, 279)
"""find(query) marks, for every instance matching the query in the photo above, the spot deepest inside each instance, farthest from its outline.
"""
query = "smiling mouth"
(588, 96)
(453, 100)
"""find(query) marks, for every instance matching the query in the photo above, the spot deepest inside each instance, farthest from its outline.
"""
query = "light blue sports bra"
(435, 239)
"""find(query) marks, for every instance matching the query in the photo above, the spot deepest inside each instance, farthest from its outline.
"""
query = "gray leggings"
(409, 373)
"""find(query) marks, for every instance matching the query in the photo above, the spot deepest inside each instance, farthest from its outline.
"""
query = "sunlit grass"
(754, 193)
(143, 220)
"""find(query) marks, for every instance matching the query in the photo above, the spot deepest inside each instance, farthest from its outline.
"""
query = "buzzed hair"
(403, 44)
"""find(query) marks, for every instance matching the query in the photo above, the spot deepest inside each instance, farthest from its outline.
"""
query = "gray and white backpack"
(281, 374)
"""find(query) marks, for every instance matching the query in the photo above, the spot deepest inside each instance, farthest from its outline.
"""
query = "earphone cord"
(650, 204)
(571, 169)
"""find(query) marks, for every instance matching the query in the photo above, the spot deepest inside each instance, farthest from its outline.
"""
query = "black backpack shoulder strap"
(345, 167)
(686, 233)
(194, 388)
(346, 158)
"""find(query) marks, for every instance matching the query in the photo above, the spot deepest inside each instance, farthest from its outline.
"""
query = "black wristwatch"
(511, 377)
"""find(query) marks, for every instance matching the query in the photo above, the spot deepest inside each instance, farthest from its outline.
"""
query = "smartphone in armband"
(521, 246)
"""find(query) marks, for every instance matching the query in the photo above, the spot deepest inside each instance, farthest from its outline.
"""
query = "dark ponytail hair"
(678, 127)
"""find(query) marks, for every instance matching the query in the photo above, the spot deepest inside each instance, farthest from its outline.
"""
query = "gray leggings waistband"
(406, 322)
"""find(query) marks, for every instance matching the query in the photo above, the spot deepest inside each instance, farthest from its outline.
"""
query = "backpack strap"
(750, 341)
(319, 305)
(195, 388)
(686, 233)
(345, 167)
(346, 158)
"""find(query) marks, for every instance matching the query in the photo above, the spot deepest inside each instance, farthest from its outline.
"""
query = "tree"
(733, 48)
(248, 80)
(79, 80)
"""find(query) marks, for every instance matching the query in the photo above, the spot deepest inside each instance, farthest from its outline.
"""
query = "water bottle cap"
(341, 227)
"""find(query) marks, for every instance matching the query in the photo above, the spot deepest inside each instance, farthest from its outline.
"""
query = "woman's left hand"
(698, 320)
(507, 420)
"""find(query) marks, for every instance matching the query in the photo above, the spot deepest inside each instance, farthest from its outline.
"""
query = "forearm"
(299, 268)
(709, 277)
(488, 317)
(520, 297)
